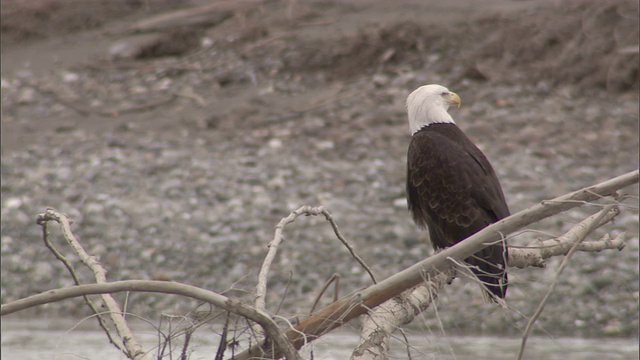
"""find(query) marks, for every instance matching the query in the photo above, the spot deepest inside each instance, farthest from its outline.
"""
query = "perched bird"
(451, 188)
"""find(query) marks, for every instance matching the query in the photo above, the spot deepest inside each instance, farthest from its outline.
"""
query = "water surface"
(61, 339)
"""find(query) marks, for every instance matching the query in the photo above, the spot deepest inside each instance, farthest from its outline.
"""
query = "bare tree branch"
(134, 349)
(535, 253)
(67, 264)
(335, 278)
(436, 268)
(358, 303)
(261, 287)
(227, 303)
(346, 243)
(278, 237)
(382, 321)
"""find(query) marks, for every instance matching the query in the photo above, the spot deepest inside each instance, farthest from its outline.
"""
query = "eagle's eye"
(444, 93)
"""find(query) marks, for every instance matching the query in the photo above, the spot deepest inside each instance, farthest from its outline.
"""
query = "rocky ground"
(177, 149)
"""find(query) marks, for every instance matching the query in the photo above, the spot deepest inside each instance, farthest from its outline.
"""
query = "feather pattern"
(453, 191)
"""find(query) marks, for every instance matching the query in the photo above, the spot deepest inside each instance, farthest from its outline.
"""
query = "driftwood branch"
(346, 243)
(227, 303)
(535, 253)
(433, 273)
(203, 15)
(261, 287)
(359, 302)
(382, 321)
(278, 237)
(76, 280)
(133, 347)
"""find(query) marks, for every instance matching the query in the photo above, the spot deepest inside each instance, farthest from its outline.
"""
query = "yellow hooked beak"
(453, 99)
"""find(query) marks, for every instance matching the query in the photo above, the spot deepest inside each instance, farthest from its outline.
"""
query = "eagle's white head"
(429, 104)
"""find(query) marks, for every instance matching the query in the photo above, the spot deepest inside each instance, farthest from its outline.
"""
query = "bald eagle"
(451, 188)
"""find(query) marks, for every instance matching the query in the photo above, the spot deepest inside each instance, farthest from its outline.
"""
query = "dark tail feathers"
(489, 266)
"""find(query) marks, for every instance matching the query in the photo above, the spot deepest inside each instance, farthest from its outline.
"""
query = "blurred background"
(176, 134)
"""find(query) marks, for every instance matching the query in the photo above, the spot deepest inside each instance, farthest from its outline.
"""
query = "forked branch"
(285, 342)
(132, 346)
(359, 302)
(382, 321)
(278, 342)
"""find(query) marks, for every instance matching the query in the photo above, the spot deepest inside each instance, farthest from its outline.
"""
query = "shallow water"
(61, 339)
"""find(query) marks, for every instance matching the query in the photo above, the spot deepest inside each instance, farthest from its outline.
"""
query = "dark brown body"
(453, 191)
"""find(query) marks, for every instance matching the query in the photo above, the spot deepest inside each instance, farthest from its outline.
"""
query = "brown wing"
(451, 186)
(453, 190)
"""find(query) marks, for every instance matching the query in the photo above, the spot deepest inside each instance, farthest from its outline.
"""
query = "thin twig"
(346, 243)
(187, 338)
(222, 345)
(336, 289)
(310, 107)
(286, 291)
(162, 339)
(262, 43)
(332, 98)
(335, 277)
(315, 23)
(139, 108)
(406, 341)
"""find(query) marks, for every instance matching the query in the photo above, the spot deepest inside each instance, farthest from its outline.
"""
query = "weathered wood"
(205, 15)
(358, 303)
